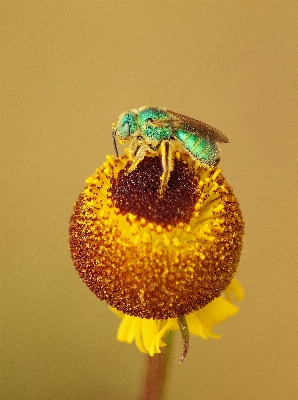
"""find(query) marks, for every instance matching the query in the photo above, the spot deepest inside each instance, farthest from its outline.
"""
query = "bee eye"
(125, 129)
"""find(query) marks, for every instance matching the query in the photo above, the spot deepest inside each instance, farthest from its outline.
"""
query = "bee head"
(127, 125)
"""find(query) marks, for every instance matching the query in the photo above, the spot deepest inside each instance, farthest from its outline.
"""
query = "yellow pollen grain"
(198, 206)
(187, 229)
(143, 222)
(151, 226)
(131, 217)
(159, 229)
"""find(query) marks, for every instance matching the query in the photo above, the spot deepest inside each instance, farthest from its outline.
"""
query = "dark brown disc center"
(138, 192)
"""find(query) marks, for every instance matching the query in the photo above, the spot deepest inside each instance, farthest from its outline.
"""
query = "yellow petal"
(195, 325)
(164, 328)
(215, 312)
(149, 333)
(235, 289)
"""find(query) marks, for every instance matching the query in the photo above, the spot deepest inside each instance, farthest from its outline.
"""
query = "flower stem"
(157, 368)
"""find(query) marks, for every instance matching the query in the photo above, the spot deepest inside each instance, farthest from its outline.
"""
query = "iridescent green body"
(153, 129)
(200, 148)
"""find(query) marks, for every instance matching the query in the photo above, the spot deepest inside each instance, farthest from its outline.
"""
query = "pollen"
(150, 256)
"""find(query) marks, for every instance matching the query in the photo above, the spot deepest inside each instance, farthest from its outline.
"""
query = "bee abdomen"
(201, 148)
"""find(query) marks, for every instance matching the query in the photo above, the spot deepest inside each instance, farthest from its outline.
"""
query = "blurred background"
(69, 69)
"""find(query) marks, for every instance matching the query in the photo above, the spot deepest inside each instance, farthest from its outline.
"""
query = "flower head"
(157, 257)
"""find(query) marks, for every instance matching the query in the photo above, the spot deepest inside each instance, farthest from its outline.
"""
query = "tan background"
(70, 69)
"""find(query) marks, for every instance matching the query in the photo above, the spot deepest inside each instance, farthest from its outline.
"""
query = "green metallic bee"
(153, 129)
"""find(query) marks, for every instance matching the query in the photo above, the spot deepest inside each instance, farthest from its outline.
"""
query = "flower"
(156, 259)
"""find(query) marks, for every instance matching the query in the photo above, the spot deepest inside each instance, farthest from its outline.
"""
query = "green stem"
(156, 372)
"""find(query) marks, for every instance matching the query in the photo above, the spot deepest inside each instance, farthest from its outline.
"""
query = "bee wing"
(197, 127)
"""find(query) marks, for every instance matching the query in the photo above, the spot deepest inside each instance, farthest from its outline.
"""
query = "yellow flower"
(155, 259)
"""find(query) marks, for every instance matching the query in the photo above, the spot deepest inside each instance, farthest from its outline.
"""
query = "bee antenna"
(114, 131)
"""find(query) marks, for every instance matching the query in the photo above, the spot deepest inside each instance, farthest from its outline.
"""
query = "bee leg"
(133, 166)
(137, 150)
(167, 165)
